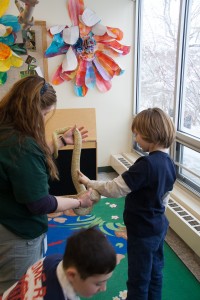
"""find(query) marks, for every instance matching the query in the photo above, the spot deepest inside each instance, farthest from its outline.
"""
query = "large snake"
(75, 167)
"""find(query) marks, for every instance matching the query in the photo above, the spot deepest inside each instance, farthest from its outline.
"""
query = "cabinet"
(88, 162)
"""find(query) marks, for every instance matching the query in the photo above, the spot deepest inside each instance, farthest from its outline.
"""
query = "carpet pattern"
(178, 283)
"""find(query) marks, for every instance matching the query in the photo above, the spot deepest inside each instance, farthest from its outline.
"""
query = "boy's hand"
(82, 178)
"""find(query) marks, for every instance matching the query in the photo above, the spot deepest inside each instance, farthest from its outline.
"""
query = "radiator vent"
(184, 224)
(119, 163)
(125, 162)
(185, 215)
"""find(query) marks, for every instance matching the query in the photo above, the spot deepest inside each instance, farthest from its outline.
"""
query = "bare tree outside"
(191, 109)
(158, 61)
(158, 53)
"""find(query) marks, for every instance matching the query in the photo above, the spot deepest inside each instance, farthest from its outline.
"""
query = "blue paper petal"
(90, 78)
(57, 46)
(78, 90)
(8, 40)
(10, 20)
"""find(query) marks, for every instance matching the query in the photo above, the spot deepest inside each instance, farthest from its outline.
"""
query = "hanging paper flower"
(9, 25)
(88, 47)
(8, 58)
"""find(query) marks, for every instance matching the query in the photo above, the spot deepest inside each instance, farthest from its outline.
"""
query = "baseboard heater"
(181, 220)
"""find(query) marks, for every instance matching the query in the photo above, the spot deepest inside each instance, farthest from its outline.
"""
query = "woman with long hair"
(26, 165)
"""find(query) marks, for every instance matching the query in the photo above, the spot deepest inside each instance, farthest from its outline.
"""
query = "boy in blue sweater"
(146, 186)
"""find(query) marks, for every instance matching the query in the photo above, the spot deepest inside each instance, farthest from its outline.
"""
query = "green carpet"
(179, 283)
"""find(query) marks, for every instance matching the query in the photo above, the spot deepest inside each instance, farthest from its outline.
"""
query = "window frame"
(180, 75)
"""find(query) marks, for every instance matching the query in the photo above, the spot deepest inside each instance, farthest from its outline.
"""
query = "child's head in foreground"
(89, 261)
(154, 126)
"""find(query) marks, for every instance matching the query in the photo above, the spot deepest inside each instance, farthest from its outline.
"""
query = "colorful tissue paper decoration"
(4, 6)
(8, 27)
(88, 46)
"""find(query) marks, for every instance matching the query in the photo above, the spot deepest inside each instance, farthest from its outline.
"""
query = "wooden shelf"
(74, 116)
(88, 163)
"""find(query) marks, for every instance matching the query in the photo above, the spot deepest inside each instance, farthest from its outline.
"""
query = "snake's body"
(75, 167)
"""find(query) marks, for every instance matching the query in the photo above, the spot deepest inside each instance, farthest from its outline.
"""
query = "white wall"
(114, 108)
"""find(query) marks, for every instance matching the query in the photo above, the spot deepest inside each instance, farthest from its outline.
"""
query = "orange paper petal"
(102, 85)
(68, 75)
(5, 51)
(117, 32)
(56, 77)
(117, 47)
(84, 30)
(75, 8)
(108, 63)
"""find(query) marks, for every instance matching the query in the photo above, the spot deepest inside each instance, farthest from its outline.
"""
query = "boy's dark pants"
(145, 264)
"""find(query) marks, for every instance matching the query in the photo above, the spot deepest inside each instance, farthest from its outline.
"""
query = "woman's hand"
(68, 138)
(69, 135)
(82, 178)
(85, 199)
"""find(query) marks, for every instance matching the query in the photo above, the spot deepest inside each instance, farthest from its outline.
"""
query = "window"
(167, 75)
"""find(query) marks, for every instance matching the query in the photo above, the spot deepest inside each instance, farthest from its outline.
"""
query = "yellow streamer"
(3, 6)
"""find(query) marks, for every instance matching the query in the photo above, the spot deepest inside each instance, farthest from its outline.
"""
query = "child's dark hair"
(90, 252)
(155, 126)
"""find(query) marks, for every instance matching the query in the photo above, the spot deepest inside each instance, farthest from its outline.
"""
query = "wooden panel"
(69, 117)
(88, 162)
